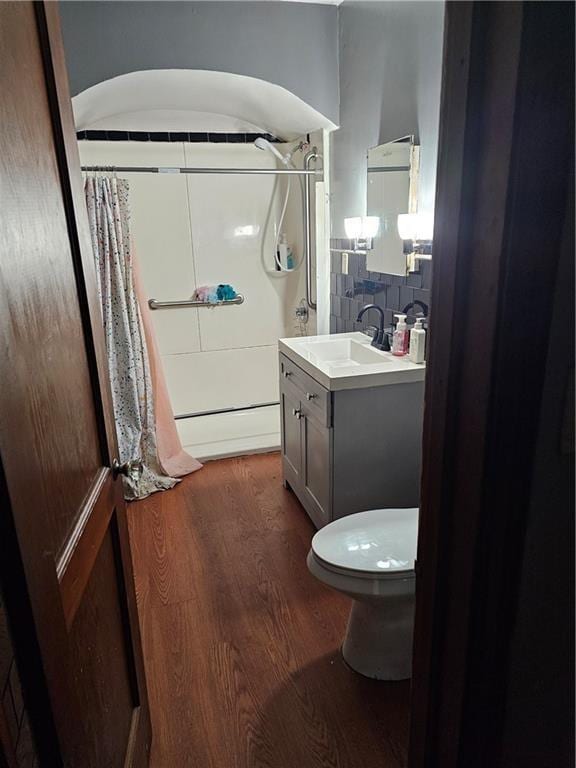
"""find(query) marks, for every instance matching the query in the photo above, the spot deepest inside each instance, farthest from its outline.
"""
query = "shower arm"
(312, 155)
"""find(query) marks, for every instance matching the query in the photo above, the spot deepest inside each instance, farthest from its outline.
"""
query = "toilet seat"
(379, 543)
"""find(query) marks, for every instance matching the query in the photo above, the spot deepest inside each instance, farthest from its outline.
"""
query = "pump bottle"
(417, 342)
(400, 337)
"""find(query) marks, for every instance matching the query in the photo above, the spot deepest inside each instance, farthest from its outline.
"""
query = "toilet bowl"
(370, 556)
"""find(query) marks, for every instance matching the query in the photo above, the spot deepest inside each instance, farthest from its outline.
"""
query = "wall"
(192, 230)
(390, 72)
(293, 45)
(354, 286)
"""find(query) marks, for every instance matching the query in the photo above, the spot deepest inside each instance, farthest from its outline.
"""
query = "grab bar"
(154, 304)
(312, 155)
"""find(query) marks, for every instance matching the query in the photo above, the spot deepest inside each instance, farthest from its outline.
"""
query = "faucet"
(416, 303)
(379, 340)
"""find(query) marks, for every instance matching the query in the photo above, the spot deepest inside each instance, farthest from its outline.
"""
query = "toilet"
(370, 556)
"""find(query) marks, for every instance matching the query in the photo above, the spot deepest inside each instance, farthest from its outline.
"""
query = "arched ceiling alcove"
(196, 101)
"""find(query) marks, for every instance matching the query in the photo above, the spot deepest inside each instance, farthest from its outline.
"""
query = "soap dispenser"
(400, 338)
(417, 342)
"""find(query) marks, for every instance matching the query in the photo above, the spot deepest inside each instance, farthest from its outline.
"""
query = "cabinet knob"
(297, 412)
(310, 395)
(287, 374)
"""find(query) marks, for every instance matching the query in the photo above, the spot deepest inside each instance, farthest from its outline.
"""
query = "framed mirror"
(393, 170)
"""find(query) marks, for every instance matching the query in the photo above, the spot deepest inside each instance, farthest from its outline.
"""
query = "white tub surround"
(348, 361)
(192, 230)
(219, 435)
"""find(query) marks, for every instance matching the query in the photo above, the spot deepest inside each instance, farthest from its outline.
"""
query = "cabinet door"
(316, 469)
(291, 437)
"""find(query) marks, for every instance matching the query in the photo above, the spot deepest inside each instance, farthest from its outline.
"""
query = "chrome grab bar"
(312, 155)
(154, 304)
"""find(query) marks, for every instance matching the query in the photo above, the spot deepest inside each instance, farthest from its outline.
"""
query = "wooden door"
(65, 560)
(492, 674)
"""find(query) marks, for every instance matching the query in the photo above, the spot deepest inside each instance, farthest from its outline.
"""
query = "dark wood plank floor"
(241, 643)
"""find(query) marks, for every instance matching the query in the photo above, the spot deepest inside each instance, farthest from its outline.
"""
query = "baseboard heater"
(226, 410)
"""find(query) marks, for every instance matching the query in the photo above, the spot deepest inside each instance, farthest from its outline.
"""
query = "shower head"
(263, 143)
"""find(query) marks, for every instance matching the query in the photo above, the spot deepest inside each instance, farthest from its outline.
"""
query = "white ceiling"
(197, 101)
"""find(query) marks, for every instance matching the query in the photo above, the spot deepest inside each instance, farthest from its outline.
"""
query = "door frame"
(499, 229)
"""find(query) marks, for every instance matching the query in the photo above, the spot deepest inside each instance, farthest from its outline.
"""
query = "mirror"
(392, 189)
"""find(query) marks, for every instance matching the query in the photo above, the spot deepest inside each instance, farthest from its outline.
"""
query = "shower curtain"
(139, 394)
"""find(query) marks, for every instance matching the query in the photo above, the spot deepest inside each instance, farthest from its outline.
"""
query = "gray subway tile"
(353, 265)
(393, 297)
(406, 295)
(426, 273)
(422, 295)
(414, 280)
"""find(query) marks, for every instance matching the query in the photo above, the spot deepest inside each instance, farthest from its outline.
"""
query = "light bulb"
(353, 227)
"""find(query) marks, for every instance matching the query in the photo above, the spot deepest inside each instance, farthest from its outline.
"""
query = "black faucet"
(380, 339)
(416, 303)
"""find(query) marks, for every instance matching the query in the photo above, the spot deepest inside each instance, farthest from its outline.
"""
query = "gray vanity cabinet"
(305, 408)
(349, 450)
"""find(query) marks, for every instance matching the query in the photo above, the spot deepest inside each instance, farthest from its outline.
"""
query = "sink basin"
(343, 353)
(348, 361)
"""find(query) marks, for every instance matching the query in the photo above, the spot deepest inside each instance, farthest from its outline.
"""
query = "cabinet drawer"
(315, 399)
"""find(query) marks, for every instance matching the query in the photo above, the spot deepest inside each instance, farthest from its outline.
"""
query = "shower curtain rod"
(144, 169)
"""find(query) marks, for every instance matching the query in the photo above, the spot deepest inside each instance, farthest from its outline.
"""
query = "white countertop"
(344, 373)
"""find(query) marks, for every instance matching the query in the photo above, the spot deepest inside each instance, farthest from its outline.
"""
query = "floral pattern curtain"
(132, 395)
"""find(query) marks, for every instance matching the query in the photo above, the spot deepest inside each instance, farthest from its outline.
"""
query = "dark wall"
(294, 45)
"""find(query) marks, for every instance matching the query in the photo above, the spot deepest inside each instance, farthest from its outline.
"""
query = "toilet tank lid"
(379, 541)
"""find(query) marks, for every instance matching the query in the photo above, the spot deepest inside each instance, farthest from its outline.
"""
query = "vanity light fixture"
(363, 230)
(417, 228)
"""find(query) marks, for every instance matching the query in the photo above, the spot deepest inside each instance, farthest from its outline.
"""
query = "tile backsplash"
(351, 289)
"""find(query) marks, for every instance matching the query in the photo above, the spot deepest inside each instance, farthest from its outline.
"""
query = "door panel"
(291, 440)
(65, 530)
(102, 660)
(316, 468)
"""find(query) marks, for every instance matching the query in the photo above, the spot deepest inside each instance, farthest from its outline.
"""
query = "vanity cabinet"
(350, 450)
(305, 408)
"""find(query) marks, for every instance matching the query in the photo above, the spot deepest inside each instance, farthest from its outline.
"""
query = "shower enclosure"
(217, 221)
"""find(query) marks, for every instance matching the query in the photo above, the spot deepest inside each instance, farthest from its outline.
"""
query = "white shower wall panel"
(191, 230)
(233, 378)
(233, 245)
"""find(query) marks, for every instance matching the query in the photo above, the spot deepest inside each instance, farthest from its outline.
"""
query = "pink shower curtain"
(173, 458)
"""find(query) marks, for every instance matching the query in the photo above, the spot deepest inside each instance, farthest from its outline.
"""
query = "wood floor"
(241, 643)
